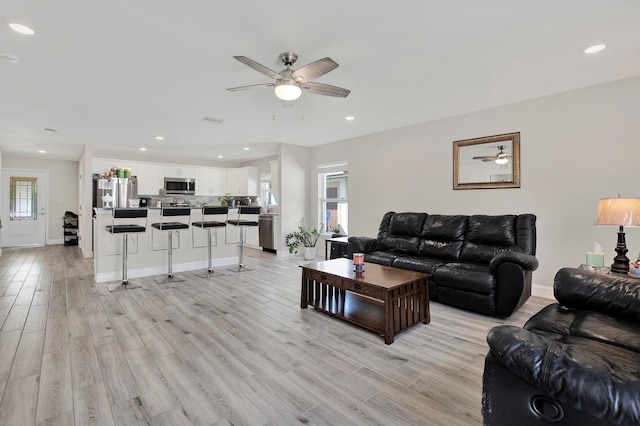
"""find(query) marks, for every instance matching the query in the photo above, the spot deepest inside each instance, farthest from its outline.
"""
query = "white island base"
(148, 254)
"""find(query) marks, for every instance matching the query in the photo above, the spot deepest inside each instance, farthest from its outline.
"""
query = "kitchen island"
(148, 251)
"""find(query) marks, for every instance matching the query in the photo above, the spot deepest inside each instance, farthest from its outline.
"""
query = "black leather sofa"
(481, 263)
(576, 362)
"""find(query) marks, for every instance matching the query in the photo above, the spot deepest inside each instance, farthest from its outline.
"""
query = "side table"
(338, 247)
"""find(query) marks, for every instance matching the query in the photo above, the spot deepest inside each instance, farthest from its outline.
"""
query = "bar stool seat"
(125, 229)
(170, 227)
(243, 222)
(210, 225)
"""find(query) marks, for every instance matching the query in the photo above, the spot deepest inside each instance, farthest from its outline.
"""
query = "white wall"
(85, 202)
(576, 148)
(294, 195)
(62, 191)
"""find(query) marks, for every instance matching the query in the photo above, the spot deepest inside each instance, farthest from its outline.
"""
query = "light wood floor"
(236, 349)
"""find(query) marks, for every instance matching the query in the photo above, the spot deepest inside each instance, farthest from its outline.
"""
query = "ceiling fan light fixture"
(288, 91)
(502, 160)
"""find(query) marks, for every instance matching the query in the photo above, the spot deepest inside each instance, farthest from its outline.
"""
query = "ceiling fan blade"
(485, 157)
(326, 90)
(314, 70)
(258, 67)
(251, 86)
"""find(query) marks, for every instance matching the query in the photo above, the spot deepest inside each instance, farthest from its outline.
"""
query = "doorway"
(23, 207)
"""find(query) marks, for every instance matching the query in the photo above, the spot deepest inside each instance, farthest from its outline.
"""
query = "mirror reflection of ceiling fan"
(500, 158)
(290, 83)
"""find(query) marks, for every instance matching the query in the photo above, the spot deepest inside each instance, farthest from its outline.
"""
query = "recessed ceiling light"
(350, 118)
(246, 148)
(143, 148)
(42, 151)
(220, 156)
(22, 29)
(595, 48)
(160, 138)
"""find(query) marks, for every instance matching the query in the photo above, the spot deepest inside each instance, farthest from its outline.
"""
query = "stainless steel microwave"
(182, 186)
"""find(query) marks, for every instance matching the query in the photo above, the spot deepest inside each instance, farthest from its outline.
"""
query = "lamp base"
(621, 262)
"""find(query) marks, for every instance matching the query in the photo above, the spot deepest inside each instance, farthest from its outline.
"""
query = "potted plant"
(303, 237)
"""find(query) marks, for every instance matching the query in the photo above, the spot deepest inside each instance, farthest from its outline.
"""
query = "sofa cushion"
(418, 263)
(487, 236)
(465, 276)
(403, 233)
(565, 322)
(380, 257)
(482, 303)
(442, 236)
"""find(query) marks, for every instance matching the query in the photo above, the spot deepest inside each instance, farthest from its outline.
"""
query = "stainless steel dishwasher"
(265, 232)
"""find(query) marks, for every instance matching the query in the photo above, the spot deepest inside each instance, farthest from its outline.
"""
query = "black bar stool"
(208, 225)
(247, 216)
(125, 229)
(170, 227)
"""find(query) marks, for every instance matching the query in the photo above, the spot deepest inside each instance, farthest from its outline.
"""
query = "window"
(23, 198)
(335, 207)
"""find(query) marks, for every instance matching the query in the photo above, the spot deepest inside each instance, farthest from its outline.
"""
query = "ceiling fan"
(500, 158)
(290, 83)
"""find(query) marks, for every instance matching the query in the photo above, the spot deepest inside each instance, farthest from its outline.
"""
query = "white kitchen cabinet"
(101, 165)
(233, 182)
(243, 181)
(275, 176)
(253, 180)
(211, 181)
(180, 171)
(150, 178)
(251, 236)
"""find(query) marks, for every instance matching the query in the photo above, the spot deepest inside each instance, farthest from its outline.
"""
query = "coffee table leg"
(304, 293)
(388, 319)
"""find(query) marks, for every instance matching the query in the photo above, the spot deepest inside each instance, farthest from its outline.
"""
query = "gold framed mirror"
(487, 162)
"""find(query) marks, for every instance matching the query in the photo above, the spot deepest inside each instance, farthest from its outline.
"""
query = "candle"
(358, 262)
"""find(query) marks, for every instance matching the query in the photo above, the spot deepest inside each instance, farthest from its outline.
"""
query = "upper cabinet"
(187, 172)
(210, 181)
(150, 178)
(275, 177)
(243, 181)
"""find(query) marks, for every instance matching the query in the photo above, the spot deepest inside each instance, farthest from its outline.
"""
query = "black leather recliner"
(480, 263)
(576, 362)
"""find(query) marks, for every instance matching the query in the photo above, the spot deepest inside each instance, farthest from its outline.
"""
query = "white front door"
(23, 208)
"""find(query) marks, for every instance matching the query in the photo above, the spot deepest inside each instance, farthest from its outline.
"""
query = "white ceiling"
(114, 74)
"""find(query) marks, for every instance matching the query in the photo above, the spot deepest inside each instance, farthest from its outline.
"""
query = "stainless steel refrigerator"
(114, 192)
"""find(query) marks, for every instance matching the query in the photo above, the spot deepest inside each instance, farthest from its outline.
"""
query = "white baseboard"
(162, 269)
(542, 291)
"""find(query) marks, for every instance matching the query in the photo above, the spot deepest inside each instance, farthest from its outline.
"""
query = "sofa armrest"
(361, 245)
(572, 374)
(612, 294)
(525, 261)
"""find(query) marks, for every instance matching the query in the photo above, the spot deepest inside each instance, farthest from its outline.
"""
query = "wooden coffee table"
(382, 299)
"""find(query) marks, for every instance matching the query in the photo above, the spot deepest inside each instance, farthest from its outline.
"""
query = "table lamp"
(619, 212)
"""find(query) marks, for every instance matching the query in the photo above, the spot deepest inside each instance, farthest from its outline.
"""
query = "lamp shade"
(619, 212)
